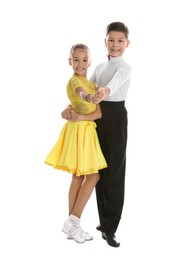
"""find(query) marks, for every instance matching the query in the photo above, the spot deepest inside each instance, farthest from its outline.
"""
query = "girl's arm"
(69, 114)
(83, 94)
(87, 117)
(100, 94)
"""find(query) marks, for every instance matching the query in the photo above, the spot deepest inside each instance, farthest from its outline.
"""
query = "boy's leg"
(112, 132)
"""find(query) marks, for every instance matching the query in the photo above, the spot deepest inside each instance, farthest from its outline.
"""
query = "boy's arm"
(122, 76)
(87, 117)
(70, 114)
(66, 113)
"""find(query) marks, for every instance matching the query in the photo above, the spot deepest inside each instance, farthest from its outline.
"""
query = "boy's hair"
(118, 27)
(78, 46)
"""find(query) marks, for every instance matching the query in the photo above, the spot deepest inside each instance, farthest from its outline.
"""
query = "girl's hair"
(78, 46)
(118, 27)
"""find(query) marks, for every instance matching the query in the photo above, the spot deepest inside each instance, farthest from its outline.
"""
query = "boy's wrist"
(107, 91)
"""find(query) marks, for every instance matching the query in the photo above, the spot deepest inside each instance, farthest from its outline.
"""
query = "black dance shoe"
(111, 239)
(98, 228)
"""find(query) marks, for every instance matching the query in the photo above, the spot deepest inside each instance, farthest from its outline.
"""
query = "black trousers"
(112, 133)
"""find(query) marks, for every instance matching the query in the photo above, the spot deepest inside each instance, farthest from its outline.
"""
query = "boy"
(115, 74)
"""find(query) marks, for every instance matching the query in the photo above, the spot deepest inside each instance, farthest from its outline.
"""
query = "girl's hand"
(101, 92)
(98, 96)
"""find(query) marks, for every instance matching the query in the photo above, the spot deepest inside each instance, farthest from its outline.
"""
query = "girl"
(77, 150)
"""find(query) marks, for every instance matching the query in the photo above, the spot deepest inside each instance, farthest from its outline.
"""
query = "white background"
(36, 36)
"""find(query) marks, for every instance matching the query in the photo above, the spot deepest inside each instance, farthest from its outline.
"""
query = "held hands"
(97, 97)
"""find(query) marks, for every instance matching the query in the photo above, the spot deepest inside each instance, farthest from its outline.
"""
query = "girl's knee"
(77, 179)
(93, 177)
(96, 177)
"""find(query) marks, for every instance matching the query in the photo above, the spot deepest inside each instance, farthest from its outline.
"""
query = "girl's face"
(80, 61)
(116, 43)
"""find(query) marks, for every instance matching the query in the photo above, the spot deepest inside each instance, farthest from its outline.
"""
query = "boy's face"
(116, 43)
(80, 61)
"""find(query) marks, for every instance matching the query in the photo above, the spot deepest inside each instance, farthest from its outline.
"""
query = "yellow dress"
(77, 150)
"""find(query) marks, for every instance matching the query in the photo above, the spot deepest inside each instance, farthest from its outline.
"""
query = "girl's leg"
(84, 193)
(74, 190)
(80, 191)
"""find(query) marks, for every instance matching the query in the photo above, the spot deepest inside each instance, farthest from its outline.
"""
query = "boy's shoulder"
(124, 65)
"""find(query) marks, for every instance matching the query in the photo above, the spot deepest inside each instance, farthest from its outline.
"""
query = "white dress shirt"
(115, 74)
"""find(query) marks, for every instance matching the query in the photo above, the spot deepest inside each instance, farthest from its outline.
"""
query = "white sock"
(74, 220)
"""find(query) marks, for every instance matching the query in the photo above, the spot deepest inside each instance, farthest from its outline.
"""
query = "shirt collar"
(115, 59)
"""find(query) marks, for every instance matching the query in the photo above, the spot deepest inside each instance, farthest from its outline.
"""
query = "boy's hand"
(74, 116)
(70, 115)
(66, 113)
(98, 96)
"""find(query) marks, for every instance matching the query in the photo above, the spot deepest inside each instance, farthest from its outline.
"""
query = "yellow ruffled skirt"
(77, 150)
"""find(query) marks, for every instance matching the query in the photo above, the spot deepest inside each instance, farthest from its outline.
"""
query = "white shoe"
(68, 225)
(77, 234)
(86, 235)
